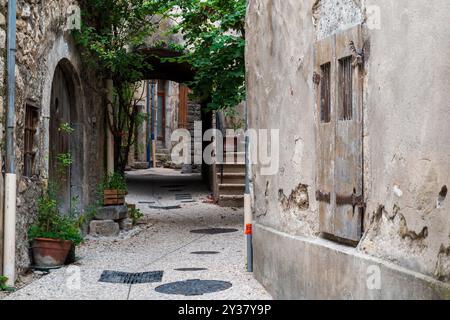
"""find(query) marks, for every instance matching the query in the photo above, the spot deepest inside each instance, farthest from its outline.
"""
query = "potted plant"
(114, 188)
(54, 234)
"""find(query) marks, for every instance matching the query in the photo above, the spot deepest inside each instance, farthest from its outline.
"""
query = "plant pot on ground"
(54, 234)
(114, 190)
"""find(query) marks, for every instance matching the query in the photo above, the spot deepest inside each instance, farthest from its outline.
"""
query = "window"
(31, 123)
(345, 89)
(325, 90)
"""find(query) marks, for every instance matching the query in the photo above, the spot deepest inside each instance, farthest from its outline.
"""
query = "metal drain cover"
(214, 231)
(183, 196)
(131, 278)
(205, 252)
(165, 207)
(176, 186)
(194, 287)
(191, 269)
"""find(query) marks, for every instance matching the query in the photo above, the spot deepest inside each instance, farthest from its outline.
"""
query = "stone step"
(233, 201)
(231, 178)
(231, 168)
(140, 165)
(112, 213)
(231, 189)
(104, 228)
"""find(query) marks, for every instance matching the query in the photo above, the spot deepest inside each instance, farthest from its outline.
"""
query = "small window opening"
(31, 124)
(325, 93)
(345, 89)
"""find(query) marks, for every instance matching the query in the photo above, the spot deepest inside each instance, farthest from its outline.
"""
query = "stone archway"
(65, 109)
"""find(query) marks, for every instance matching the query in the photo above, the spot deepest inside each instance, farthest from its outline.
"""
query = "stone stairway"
(231, 180)
(162, 158)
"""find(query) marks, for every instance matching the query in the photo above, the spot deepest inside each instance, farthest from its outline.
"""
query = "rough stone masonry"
(42, 45)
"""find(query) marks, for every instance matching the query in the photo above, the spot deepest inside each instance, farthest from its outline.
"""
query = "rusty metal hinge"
(353, 200)
(323, 197)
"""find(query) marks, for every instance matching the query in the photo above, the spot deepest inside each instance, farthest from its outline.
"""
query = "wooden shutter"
(339, 176)
(325, 132)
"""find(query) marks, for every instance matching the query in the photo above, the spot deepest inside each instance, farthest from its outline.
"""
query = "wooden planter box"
(114, 197)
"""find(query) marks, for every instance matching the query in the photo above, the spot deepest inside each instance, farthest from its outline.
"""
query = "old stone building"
(359, 91)
(53, 87)
(166, 107)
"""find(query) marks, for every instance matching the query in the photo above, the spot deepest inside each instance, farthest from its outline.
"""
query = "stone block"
(126, 224)
(104, 228)
(112, 213)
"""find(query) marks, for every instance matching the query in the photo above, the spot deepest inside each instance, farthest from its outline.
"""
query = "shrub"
(54, 225)
(136, 215)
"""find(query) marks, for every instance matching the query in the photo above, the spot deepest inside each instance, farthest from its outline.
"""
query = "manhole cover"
(205, 252)
(191, 269)
(214, 231)
(176, 186)
(131, 278)
(165, 207)
(194, 287)
(183, 196)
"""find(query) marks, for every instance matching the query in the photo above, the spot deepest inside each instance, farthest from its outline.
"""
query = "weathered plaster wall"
(41, 45)
(172, 106)
(406, 116)
(407, 136)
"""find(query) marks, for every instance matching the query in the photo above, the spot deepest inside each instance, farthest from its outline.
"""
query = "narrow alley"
(165, 240)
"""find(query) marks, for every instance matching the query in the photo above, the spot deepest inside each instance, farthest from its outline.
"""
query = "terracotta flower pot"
(49, 253)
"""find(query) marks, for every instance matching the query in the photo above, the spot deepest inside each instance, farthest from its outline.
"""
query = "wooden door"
(59, 140)
(161, 111)
(183, 120)
(339, 136)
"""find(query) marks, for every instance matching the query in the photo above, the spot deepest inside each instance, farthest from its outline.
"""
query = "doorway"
(66, 140)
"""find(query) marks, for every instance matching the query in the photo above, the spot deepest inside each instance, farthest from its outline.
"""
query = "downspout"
(248, 214)
(9, 263)
(153, 126)
(149, 126)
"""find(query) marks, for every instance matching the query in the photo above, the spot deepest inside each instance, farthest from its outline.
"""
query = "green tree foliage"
(111, 31)
(214, 34)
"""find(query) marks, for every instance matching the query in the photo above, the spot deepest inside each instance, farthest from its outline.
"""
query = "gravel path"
(163, 242)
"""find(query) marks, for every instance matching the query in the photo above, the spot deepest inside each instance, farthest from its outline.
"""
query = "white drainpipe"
(9, 259)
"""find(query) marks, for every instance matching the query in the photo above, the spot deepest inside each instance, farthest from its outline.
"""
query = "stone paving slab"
(165, 243)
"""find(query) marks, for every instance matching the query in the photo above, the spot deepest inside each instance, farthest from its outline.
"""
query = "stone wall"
(406, 132)
(41, 46)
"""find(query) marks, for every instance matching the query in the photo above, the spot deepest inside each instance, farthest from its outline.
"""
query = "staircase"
(231, 179)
